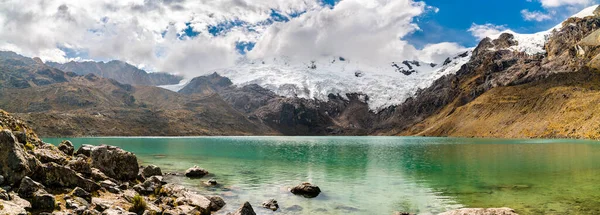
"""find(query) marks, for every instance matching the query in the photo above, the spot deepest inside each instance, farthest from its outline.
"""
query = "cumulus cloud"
(152, 33)
(536, 15)
(485, 30)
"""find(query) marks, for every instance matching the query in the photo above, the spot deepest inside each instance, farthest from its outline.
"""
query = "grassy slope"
(561, 106)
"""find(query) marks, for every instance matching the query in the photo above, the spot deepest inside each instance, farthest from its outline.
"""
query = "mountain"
(118, 70)
(56, 103)
(510, 85)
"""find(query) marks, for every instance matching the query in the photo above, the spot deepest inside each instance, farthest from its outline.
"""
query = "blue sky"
(455, 17)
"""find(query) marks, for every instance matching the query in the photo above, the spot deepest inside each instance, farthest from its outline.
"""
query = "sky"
(193, 37)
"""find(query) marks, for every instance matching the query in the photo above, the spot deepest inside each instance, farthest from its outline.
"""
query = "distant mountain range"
(118, 70)
(511, 85)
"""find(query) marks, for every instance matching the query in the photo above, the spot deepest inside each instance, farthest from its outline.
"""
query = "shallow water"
(380, 175)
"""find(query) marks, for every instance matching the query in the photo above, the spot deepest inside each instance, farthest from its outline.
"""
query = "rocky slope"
(503, 92)
(118, 70)
(67, 104)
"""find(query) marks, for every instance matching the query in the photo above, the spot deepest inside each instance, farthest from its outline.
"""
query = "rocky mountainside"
(118, 70)
(66, 104)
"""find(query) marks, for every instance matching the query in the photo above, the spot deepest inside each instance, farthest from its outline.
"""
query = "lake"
(381, 175)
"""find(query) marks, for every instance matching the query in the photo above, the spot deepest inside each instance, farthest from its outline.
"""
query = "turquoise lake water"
(381, 175)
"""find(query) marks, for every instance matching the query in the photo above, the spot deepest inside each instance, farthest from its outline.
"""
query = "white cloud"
(536, 15)
(559, 3)
(148, 32)
(437, 53)
(485, 30)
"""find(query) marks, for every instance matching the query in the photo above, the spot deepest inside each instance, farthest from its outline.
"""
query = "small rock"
(4, 195)
(66, 147)
(108, 184)
(98, 175)
(151, 170)
(82, 193)
(246, 209)
(216, 203)
(29, 187)
(271, 204)
(403, 213)
(43, 201)
(211, 182)
(1, 180)
(196, 172)
(306, 189)
(150, 186)
(90, 212)
(85, 149)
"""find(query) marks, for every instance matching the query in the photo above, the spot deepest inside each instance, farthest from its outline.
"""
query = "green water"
(380, 175)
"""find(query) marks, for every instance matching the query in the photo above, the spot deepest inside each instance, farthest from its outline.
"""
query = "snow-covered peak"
(534, 43)
(385, 85)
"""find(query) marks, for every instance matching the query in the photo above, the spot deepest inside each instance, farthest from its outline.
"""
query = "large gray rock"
(43, 201)
(306, 189)
(48, 153)
(196, 172)
(246, 209)
(15, 163)
(66, 147)
(60, 176)
(151, 170)
(481, 211)
(28, 187)
(115, 162)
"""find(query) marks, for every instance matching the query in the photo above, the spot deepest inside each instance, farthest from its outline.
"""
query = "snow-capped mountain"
(384, 85)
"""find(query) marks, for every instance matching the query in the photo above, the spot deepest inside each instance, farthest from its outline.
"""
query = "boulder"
(16, 163)
(246, 209)
(80, 165)
(99, 175)
(481, 211)
(110, 186)
(196, 172)
(201, 203)
(115, 162)
(151, 170)
(66, 147)
(79, 192)
(60, 176)
(48, 153)
(271, 204)
(28, 187)
(150, 186)
(85, 149)
(306, 189)
(43, 201)
(216, 203)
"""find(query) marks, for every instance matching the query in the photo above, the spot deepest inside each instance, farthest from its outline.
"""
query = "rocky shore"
(40, 178)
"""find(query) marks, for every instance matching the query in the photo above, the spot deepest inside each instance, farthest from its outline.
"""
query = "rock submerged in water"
(196, 172)
(246, 209)
(307, 190)
(481, 211)
(271, 204)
